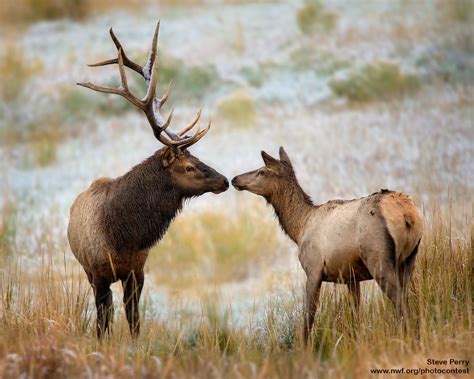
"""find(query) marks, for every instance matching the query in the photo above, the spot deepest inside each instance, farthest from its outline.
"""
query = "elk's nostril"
(233, 182)
(226, 183)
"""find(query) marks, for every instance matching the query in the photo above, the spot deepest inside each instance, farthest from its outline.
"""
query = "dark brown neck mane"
(292, 207)
(140, 206)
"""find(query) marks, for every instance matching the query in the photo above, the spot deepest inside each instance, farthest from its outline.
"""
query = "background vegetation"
(359, 105)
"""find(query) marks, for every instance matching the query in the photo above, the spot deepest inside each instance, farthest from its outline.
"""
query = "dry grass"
(202, 247)
(46, 324)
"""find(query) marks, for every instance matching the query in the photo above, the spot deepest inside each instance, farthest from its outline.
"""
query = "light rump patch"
(404, 222)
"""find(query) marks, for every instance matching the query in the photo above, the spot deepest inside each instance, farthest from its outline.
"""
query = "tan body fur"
(342, 241)
(337, 235)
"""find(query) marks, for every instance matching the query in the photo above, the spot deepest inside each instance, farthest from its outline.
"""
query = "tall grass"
(46, 324)
(204, 247)
(7, 229)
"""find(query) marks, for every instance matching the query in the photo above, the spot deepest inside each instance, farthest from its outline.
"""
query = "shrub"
(456, 10)
(238, 108)
(15, 71)
(379, 80)
(312, 17)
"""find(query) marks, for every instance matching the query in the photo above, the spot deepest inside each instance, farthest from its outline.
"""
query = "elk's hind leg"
(384, 273)
(405, 272)
(132, 289)
(104, 304)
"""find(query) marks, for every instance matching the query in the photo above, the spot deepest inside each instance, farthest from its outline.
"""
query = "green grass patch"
(323, 63)
(452, 64)
(79, 104)
(257, 74)
(374, 81)
(312, 17)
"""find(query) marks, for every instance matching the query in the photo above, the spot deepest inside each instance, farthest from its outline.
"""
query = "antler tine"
(149, 71)
(123, 75)
(128, 62)
(196, 137)
(165, 95)
(122, 90)
(188, 127)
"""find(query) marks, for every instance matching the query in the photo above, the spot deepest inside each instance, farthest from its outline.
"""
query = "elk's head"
(274, 176)
(191, 175)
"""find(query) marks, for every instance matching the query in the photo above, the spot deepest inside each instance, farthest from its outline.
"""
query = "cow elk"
(115, 222)
(342, 241)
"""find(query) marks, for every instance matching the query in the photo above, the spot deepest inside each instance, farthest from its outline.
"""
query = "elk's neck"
(140, 206)
(292, 207)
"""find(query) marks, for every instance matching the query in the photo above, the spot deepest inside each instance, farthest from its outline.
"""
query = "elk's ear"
(168, 157)
(284, 156)
(269, 160)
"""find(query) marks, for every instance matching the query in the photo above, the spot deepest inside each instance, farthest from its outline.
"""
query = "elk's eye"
(260, 173)
(189, 168)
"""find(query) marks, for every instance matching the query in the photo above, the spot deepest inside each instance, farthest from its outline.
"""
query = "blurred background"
(363, 95)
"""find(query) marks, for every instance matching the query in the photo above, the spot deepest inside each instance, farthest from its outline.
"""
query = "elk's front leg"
(132, 289)
(104, 304)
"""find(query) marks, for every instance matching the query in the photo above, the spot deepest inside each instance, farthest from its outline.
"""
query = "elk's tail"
(404, 223)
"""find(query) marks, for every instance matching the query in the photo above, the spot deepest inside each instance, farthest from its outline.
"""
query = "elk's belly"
(338, 246)
(344, 267)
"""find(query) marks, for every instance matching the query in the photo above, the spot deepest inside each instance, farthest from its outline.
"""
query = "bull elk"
(343, 241)
(115, 222)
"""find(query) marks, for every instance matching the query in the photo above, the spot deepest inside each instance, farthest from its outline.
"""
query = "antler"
(150, 104)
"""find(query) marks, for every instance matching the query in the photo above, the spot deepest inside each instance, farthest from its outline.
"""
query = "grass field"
(358, 104)
(47, 324)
